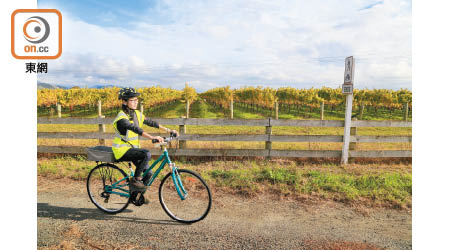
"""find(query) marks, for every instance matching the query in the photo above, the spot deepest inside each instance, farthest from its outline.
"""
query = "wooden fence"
(268, 137)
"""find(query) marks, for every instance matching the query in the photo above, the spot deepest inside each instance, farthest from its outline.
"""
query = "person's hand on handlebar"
(157, 139)
(154, 139)
(174, 133)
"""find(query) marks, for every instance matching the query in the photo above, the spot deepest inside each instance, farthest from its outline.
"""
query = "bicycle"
(186, 197)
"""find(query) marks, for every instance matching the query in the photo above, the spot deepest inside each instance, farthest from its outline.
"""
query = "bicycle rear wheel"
(104, 189)
(197, 202)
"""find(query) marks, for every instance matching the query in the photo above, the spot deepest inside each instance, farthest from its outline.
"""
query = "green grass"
(372, 184)
(387, 187)
(76, 168)
(244, 112)
(201, 109)
(172, 110)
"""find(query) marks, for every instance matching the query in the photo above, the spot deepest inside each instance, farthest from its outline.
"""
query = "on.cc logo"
(36, 34)
(36, 29)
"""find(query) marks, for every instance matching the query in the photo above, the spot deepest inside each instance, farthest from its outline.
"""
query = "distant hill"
(102, 86)
(43, 85)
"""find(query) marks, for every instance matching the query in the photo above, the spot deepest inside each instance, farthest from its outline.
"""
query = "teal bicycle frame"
(164, 159)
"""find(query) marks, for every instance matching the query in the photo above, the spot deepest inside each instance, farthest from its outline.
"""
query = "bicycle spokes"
(108, 188)
(173, 193)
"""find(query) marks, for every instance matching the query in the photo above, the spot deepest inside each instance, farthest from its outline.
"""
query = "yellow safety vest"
(121, 144)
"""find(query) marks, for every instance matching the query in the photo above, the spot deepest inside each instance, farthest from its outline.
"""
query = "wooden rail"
(234, 122)
(268, 137)
(232, 137)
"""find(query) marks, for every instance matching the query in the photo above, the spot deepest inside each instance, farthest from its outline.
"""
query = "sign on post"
(349, 70)
(347, 88)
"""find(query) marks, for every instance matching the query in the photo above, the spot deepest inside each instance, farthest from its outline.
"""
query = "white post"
(58, 108)
(276, 110)
(405, 111)
(231, 109)
(322, 107)
(347, 125)
(187, 108)
(101, 127)
(347, 89)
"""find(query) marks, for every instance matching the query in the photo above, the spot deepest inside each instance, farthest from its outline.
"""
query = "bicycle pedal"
(140, 201)
(133, 196)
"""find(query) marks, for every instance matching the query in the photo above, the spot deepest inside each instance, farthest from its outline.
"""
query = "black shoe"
(136, 184)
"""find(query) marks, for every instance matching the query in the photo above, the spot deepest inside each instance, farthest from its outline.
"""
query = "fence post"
(405, 110)
(352, 145)
(182, 131)
(101, 127)
(276, 110)
(353, 132)
(347, 125)
(142, 108)
(231, 109)
(187, 108)
(58, 110)
(51, 111)
(361, 110)
(268, 142)
(322, 107)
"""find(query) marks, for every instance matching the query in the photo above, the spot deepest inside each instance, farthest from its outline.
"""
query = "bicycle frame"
(164, 159)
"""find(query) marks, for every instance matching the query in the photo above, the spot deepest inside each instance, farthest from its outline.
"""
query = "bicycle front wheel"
(108, 188)
(197, 197)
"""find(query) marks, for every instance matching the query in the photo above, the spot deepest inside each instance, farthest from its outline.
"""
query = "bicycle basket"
(101, 153)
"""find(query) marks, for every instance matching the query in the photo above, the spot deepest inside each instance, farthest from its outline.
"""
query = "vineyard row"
(289, 98)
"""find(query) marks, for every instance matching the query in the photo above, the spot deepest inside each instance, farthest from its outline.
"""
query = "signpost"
(347, 89)
(349, 70)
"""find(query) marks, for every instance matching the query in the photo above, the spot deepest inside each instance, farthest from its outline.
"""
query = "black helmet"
(127, 93)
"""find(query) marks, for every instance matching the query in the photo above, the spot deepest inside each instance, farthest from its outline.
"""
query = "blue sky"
(209, 44)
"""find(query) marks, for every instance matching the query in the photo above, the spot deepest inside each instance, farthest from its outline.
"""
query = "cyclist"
(128, 127)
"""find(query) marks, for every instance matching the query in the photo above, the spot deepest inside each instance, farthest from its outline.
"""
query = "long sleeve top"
(123, 125)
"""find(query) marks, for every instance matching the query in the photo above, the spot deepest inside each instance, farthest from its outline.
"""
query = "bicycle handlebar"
(166, 140)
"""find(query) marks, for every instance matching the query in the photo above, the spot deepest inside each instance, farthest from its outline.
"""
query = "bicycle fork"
(177, 182)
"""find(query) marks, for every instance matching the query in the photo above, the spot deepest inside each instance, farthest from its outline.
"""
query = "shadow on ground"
(44, 210)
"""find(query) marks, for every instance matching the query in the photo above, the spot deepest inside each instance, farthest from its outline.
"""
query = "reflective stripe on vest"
(126, 138)
(121, 144)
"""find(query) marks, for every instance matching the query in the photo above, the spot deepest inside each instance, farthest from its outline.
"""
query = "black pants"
(140, 158)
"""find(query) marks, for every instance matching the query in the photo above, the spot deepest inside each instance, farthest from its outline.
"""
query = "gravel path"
(68, 220)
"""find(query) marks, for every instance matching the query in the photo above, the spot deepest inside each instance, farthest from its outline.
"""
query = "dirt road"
(68, 220)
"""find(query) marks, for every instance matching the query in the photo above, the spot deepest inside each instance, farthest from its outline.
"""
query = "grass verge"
(368, 184)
